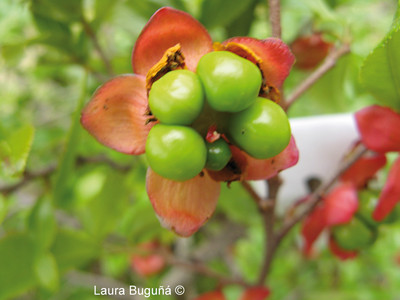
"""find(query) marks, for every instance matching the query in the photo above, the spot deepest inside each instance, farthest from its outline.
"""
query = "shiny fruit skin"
(175, 152)
(177, 98)
(368, 201)
(231, 83)
(218, 155)
(262, 130)
(354, 235)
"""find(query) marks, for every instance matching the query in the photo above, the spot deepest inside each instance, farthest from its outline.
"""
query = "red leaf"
(166, 28)
(255, 293)
(341, 253)
(379, 128)
(277, 60)
(183, 206)
(363, 170)
(390, 195)
(341, 204)
(115, 115)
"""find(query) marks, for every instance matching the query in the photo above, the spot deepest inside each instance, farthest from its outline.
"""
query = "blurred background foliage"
(72, 212)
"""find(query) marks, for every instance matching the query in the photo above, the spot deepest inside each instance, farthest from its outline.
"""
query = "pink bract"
(117, 116)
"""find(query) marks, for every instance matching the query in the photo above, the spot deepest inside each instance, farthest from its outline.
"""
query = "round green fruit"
(354, 235)
(175, 152)
(177, 98)
(262, 130)
(218, 155)
(367, 204)
(231, 83)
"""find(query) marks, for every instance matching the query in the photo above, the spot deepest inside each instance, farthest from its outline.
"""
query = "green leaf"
(15, 149)
(242, 24)
(235, 202)
(66, 11)
(42, 223)
(13, 52)
(46, 271)
(65, 177)
(16, 261)
(320, 9)
(380, 73)
(221, 12)
(3, 208)
(72, 249)
(103, 212)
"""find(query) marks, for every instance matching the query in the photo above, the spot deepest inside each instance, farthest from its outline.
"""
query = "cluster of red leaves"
(378, 127)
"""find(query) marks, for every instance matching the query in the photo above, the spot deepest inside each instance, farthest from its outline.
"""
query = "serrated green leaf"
(380, 73)
(64, 178)
(16, 261)
(72, 249)
(46, 271)
(221, 12)
(42, 224)
(15, 150)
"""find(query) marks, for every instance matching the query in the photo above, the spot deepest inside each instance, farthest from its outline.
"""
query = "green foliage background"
(85, 209)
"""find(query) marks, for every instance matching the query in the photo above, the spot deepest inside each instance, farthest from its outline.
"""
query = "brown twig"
(92, 35)
(102, 159)
(257, 199)
(275, 17)
(328, 64)
(316, 196)
(273, 238)
(268, 214)
(29, 176)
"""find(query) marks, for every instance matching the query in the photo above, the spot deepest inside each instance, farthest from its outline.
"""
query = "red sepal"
(216, 295)
(255, 293)
(379, 128)
(339, 252)
(312, 227)
(182, 206)
(165, 29)
(341, 204)
(390, 195)
(363, 170)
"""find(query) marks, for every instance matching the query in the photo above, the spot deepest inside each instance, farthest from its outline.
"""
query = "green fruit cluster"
(362, 231)
(223, 92)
